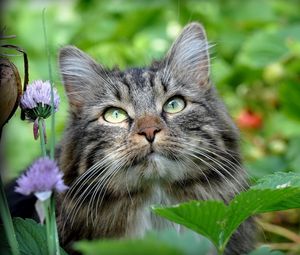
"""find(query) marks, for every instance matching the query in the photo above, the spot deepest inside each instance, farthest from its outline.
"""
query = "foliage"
(187, 244)
(218, 221)
(31, 237)
(255, 64)
(263, 250)
(255, 59)
(151, 244)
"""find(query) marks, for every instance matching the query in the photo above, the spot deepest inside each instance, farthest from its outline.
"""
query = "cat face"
(162, 124)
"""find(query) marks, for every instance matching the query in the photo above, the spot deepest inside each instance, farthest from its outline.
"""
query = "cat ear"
(79, 74)
(188, 58)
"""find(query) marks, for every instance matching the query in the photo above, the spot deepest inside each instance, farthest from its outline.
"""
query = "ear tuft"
(188, 58)
(79, 74)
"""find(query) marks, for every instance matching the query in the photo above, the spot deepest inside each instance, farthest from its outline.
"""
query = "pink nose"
(149, 133)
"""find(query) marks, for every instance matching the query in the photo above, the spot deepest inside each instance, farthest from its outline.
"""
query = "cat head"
(162, 123)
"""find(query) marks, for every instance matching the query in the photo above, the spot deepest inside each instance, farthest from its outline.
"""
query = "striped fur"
(115, 174)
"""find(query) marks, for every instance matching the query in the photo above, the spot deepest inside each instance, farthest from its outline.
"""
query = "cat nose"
(149, 133)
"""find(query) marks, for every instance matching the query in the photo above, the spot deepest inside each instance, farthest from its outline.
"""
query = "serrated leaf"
(213, 213)
(218, 222)
(277, 180)
(256, 201)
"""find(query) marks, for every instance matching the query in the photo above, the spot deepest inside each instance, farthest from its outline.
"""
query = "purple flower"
(42, 177)
(36, 100)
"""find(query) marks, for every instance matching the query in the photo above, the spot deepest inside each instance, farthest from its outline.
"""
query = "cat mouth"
(153, 156)
(148, 157)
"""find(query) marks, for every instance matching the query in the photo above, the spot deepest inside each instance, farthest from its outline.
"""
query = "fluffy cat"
(144, 136)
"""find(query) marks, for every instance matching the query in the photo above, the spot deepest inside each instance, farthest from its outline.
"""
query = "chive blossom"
(42, 177)
(36, 100)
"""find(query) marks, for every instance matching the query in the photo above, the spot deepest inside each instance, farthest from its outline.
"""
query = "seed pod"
(10, 90)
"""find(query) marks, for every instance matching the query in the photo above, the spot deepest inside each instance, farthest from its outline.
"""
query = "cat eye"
(115, 115)
(174, 105)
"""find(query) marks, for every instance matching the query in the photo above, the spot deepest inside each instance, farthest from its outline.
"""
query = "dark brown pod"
(10, 90)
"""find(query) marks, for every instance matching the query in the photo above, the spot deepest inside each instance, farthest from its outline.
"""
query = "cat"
(145, 136)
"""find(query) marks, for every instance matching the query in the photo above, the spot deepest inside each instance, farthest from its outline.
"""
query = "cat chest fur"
(146, 220)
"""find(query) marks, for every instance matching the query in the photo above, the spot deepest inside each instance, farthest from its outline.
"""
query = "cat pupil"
(115, 114)
(173, 104)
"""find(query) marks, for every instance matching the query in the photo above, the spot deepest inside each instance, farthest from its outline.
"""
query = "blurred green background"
(255, 63)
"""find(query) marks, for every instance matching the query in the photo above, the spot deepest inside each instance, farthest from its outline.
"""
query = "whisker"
(106, 182)
(186, 147)
(216, 170)
(82, 181)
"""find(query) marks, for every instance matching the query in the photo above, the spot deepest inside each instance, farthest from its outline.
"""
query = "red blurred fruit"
(248, 119)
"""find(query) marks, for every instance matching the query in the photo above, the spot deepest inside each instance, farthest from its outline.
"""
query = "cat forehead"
(141, 87)
(139, 78)
(157, 81)
(149, 87)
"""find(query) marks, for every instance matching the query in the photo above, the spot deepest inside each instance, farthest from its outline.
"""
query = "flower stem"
(7, 222)
(52, 142)
(49, 233)
(51, 227)
(42, 136)
(54, 225)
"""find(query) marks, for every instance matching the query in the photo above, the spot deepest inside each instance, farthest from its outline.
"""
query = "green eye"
(115, 115)
(174, 105)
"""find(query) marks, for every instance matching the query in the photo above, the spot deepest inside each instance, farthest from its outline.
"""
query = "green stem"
(221, 250)
(51, 228)
(7, 222)
(52, 217)
(42, 137)
(52, 141)
(49, 233)
(54, 225)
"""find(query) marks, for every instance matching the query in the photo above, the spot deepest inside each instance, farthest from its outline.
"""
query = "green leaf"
(159, 243)
(188, 241)
(278, 180)
(218, 222)
(213, 214)
(31, 237)
(293, 156)
(280, 124)
(265, 166)
(254, 11)
(289, 93)
(221, 70)
(267, 46)
(126, 247)
(264, 250)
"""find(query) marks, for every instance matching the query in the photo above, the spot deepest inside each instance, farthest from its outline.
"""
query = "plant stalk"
(54, 225)
(52, 216)
(47, 48)
(7, 222)
(50, 235)
(42, 137)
